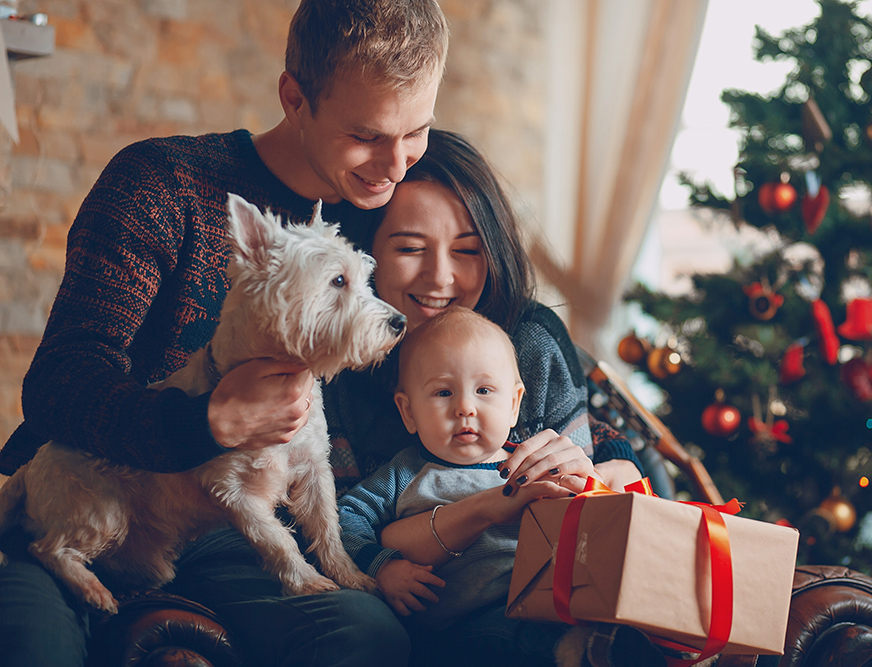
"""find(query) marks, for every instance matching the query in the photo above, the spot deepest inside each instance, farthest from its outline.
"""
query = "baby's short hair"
(394, 43)
(458, 325)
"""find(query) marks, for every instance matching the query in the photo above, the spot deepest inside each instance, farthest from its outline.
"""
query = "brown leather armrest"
(156, 629)
(830, 620)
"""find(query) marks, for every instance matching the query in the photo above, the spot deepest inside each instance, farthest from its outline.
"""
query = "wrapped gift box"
(644, 561)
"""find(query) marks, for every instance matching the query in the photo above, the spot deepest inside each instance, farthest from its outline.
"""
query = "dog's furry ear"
(316, 222)
(249, 232)
(316, 218)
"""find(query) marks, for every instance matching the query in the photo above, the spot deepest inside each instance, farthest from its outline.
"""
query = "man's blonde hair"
(392, 43)
(454, 326)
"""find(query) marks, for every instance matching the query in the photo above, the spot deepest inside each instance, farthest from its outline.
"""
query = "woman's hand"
(404, 584)
(618, 473)
(260, 403)
(548, 456)
(507, 509)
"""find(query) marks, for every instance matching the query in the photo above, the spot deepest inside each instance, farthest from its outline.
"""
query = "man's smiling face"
(361, 138)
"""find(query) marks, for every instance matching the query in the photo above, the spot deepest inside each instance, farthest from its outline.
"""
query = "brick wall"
(124, 70)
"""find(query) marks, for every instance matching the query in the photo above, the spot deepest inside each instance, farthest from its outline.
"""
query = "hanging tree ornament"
(858, 320)
(777, 197)
(816, 131)
(814, 202)
(632, 349)
(763, 301)
(664, 361)
(841, 512)
(767, 432)
(721, 419)
(834, 513)
(791, 368)
(828, 342)
(856, 373)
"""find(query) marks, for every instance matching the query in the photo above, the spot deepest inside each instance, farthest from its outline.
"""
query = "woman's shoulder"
(539, 332)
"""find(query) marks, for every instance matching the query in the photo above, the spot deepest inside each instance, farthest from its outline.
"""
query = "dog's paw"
(359, 581)
(100, 597)
(317, 584)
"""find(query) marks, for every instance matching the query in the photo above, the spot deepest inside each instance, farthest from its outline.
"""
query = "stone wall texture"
(124, 70)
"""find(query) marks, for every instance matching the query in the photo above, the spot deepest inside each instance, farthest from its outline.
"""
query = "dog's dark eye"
(339, 281)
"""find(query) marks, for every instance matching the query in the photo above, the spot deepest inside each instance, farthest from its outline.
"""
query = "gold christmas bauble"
(633, 349)
(663, 362)
(843, 512)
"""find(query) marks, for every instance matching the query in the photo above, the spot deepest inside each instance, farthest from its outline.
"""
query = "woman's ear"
(405, 408)
(518, 394)
(291, 97)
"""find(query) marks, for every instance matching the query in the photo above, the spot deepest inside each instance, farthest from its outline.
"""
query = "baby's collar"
(427, 455)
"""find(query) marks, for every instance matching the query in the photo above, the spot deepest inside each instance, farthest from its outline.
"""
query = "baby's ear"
(405, 408)
(517, 395)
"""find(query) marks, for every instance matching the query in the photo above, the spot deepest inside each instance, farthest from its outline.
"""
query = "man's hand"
(260, 403)
(404, 583)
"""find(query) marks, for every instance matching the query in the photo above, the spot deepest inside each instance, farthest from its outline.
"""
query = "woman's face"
(428, 252)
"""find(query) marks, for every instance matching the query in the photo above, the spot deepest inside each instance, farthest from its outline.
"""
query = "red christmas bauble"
(720, 419)
(776, 197)
(857, 374)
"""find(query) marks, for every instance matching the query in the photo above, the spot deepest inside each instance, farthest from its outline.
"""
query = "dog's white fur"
(298, 293)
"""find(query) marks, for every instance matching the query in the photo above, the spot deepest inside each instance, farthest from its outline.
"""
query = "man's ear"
(517, 395)
(405, 408)
(292, 98)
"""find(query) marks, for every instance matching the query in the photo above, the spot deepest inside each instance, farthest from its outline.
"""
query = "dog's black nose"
(397, 323)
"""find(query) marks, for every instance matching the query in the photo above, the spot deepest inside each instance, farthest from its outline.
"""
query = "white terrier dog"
(299, 293)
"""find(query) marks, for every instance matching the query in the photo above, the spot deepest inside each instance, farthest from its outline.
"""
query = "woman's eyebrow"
(418, 235)
(421, 235)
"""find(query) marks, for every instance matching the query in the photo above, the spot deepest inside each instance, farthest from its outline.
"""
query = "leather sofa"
(829, 625)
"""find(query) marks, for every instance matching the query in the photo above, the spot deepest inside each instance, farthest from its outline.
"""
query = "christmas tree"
(773, 389)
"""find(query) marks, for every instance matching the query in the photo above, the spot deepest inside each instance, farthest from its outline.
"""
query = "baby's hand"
(404, 584)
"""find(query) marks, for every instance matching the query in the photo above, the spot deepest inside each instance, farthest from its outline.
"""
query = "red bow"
(766, 432)
(719, 547)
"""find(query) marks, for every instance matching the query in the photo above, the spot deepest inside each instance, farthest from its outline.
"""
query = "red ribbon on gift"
(718, 539)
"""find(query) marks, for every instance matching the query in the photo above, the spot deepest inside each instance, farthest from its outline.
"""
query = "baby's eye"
(483, 390)
(443, 393)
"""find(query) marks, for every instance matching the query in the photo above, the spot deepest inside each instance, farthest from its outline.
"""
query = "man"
(143, 287)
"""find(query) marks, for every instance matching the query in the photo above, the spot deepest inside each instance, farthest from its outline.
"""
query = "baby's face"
(462, 400)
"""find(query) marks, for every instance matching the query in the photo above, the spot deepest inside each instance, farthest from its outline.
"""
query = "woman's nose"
(439, 271)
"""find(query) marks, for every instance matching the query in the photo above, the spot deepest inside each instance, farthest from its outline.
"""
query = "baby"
(459, 389)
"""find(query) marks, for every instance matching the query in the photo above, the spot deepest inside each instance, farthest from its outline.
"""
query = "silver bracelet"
(455, 554)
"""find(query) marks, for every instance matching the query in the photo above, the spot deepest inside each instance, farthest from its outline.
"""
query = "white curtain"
(621, 69)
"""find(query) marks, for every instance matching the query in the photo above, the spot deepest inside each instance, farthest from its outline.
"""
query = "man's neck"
(281, 152)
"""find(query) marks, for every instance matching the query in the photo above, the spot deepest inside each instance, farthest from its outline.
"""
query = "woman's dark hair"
(450, 160)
